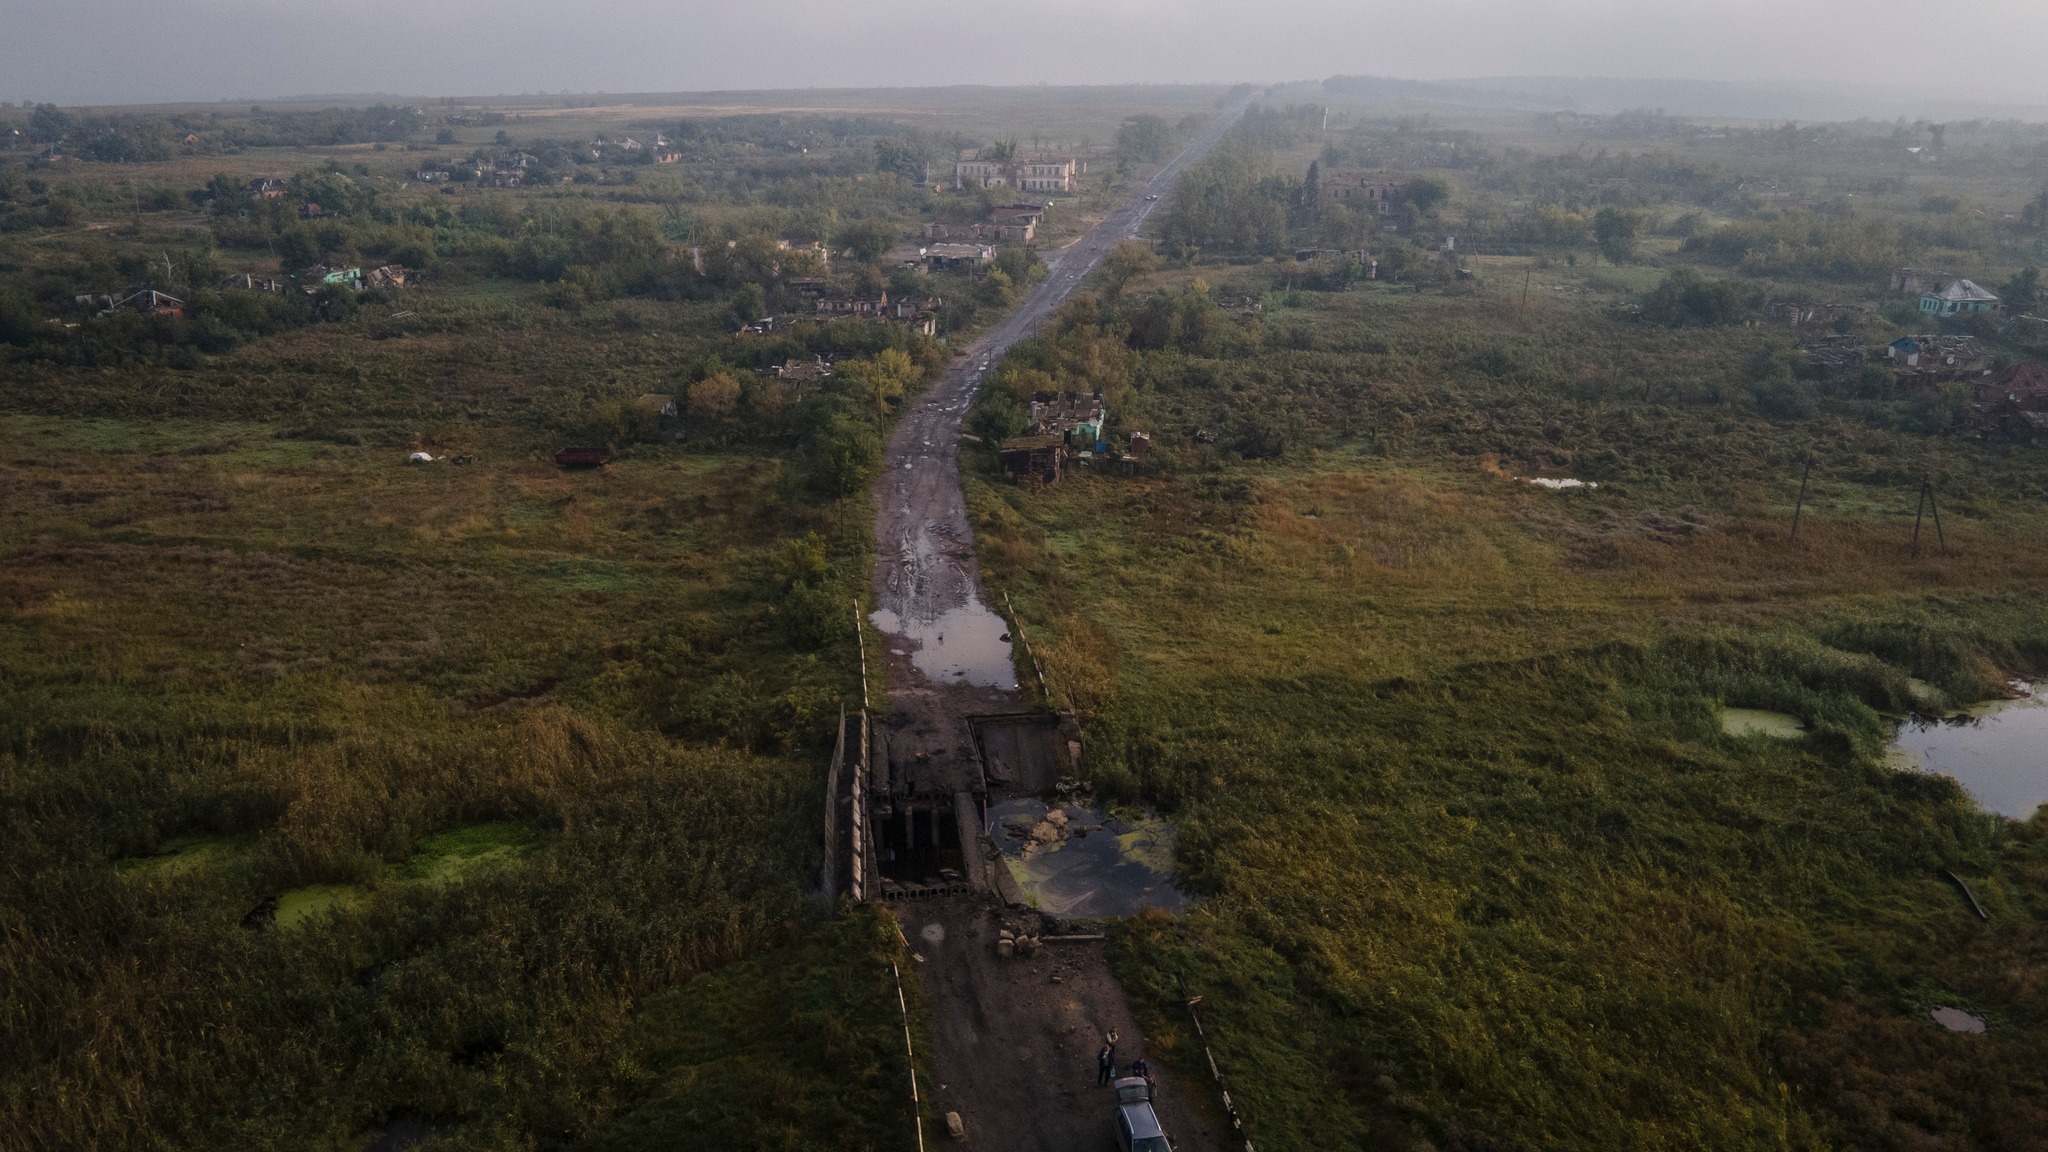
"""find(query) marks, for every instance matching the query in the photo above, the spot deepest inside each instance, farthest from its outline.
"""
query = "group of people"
(1105, 1064)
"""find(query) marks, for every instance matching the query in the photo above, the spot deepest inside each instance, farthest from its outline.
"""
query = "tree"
(1686, 300)
(842, 455)
(2023, 293)
(1125, 263)
(2035, 214)
(869, 239)
(906, 158)
(1615, 230)
(49, 124)
(713, 398)
(1428, 193)
(877, 383)
(1143, 140)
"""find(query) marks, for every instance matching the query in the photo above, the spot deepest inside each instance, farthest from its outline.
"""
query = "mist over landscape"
(1148, 576)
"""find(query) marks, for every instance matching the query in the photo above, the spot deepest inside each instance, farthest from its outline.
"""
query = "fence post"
(916, 1111)
(829, 877)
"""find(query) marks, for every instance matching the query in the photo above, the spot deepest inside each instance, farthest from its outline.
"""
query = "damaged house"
(2014, 404)
(1933, 358)
(1063, 425)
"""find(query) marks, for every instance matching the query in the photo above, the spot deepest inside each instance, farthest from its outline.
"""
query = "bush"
(1685, 300)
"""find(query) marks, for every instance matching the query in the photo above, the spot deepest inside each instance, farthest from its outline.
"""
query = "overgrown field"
(1479, 867)
(471, 798)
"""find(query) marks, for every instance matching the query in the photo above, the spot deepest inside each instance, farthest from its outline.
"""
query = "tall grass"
(1479, 868)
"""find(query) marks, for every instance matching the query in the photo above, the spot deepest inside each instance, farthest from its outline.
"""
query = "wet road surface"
(1014, 1041)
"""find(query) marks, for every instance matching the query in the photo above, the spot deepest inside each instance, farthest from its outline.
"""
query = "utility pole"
(1927, 505)
(1800, 505)
(1527, 273)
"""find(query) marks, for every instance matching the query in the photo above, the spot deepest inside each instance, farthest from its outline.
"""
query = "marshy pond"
(1080, 863)
(1998, 751)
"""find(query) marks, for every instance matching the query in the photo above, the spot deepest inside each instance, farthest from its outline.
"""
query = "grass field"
(1479, 867)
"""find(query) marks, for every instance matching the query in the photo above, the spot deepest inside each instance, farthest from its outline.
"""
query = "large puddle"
(965, 645)
(1997, 751)
(1075, 862)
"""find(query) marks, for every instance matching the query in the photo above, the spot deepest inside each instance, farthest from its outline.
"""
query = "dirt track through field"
(1014, 1042)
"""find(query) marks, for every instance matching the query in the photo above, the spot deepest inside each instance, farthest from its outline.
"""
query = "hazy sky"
(92, 51)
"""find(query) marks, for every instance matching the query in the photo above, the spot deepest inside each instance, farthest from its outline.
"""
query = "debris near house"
(761, 327)
(657, 404)
(799, 372)
(813, 248)
(1833, 355)
(266, 188)
(389, 276)
(1930, 359)
(1240, 304)
(1036, 457)
(248, 282)
(1798, 315)
(147, 301)
(313, 279)
(1958, 298)
(1920, 281)
(2014, 404)
(593, 456)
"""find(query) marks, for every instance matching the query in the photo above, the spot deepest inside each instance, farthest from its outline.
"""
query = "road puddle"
(1998, 751)
(1076, 862)
(965, 645)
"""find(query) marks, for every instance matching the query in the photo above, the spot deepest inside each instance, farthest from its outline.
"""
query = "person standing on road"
(1105, 1065)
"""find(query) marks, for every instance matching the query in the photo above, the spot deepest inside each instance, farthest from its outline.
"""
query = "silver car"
(1137, 1126)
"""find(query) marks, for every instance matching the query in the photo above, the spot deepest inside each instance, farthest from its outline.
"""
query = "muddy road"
(1014, 1041)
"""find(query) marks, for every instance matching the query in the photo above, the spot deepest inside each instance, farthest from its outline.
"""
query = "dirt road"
(1014, 1041)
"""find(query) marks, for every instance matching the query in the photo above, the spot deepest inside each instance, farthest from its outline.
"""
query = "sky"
(143, 51)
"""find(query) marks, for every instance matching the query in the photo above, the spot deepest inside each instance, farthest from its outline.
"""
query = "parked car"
(1137, 1126)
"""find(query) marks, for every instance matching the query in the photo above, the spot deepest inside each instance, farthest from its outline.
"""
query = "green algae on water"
(185, 854)
(1758, 722)
(300, 905)
(451, 856)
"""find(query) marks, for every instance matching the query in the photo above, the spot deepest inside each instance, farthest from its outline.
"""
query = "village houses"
(1375, 192)
(1023, 175)
(1958, 298)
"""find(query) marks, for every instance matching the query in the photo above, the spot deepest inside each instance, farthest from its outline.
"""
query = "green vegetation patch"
(298, 907)
(448, 857)
(798, 1048)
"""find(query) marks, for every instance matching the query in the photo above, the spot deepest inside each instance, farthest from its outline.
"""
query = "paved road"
(1013, 1042)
